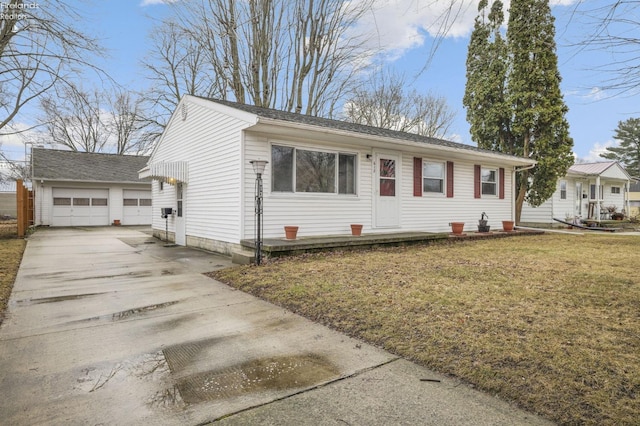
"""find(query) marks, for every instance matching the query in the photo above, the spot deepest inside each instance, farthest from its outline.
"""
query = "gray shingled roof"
(53, 164)
(346, 126)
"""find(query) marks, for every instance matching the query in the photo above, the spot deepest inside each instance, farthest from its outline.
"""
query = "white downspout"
(597, 198)
(513, 188)
(628, 202)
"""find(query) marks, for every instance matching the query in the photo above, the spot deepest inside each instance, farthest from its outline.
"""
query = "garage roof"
(51, 164)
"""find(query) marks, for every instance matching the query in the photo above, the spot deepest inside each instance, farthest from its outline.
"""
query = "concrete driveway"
(108, 326)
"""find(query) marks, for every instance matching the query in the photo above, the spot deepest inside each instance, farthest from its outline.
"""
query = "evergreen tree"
(520, 111)
(484, 96)
(627, 152)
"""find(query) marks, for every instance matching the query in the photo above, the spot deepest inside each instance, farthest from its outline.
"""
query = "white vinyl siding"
(211, 144)
(314, 213)
(433, 214)
(554, 207)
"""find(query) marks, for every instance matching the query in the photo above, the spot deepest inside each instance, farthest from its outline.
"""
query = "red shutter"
(501, 183)
(477, 170)
(449, 179)
(417, 177)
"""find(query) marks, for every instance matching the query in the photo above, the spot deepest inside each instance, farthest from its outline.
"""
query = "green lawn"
(550, 322)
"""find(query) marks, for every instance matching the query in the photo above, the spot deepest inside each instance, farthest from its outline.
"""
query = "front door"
(180, 215)
(387, 191)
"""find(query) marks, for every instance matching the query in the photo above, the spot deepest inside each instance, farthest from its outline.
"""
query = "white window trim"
(496, 183)
(444, 178)
(616, 187)
(563, 190)
(315, 195)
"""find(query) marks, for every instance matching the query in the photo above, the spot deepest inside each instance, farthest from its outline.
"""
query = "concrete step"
(243, 257)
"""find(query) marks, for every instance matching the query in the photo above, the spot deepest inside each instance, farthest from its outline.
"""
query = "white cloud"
(395, 26)
(152, 2)
(392, 27)
(455, 137)
(597, 149)
(14, 142)
(595, 94)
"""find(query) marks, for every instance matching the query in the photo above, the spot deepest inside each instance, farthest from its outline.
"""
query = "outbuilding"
(321, 175)
(89, 189)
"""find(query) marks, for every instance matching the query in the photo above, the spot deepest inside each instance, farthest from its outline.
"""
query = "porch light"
(258, 168)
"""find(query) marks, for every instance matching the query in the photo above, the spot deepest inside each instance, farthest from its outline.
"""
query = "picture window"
(303, 170)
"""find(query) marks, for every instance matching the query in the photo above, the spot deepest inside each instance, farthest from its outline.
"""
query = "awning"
(166, 171)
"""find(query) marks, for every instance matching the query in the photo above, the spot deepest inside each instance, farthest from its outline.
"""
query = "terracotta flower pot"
(356, 230)
(116, 222)
(457, 227)
(507, 225)
(291, 232)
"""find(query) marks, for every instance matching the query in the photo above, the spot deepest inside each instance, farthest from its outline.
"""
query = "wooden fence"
(24, 198)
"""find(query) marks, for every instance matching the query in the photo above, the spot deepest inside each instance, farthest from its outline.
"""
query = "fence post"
(20, 208)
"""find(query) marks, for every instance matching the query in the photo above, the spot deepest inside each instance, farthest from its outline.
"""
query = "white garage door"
(80, 207)
(137, 207)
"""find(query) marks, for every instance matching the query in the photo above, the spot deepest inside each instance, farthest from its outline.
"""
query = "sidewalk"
(108, 326)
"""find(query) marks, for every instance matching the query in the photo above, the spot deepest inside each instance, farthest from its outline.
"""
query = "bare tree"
(385, 103)
(177, 65)
(612, 27)
(130, 132)
(40, 48)
(95, 121)
(72, 118)
(292, 55)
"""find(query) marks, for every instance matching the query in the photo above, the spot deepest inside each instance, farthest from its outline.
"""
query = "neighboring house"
(8, 201)
(584, 193)
(322, 175)
(634, 197)
(89, 189)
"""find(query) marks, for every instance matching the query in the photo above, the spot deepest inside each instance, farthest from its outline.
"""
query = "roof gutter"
(529, 167)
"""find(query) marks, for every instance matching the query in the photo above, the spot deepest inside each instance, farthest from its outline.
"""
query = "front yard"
(11, 249)
(549, 322)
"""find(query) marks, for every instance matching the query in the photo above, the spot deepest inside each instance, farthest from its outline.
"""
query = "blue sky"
(402, 30)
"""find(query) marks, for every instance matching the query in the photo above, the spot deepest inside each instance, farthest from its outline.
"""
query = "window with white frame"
(615, 190)
(433, 177)
(489, 179)
(563, 189)
(305, 170)
(593, 191)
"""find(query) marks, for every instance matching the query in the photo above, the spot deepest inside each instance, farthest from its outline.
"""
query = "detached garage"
(88, 189)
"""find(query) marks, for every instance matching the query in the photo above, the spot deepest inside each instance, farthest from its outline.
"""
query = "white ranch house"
(584, 194)
(322, 175)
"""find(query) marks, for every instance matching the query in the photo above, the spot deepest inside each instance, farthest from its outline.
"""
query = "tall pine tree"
(487, 63)
(519, 110)
(627, 152)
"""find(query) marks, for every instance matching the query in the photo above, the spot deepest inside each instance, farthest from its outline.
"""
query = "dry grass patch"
(11, 250)
(550, 322)
(8, 229)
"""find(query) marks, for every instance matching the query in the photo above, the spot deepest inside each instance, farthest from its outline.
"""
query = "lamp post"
(258, 168)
